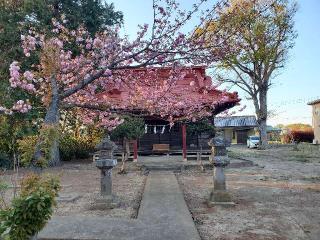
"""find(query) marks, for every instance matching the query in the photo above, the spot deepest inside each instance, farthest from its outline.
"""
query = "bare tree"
(263, 35)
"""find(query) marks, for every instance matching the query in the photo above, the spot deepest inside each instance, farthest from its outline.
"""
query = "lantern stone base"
(104, 203)
(220, 198)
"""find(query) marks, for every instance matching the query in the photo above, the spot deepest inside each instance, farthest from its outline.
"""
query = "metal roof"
(314, 102)
(235, 121)
(273, 129)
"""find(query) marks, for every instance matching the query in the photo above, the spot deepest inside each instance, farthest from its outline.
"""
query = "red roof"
(194, 85)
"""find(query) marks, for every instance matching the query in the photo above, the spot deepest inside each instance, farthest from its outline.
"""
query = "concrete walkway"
(163, 215)
(164, 208)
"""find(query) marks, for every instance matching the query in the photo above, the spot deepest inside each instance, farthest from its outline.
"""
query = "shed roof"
(273, 129)
(235, 121)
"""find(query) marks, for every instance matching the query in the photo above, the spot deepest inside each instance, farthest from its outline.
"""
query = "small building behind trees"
(236, 129)
(274, 133)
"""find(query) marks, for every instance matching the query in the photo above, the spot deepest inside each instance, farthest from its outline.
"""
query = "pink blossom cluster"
(161, 94)
(29, 43)
(111, 123)
(109, 62)
(56, 42)
(228, 113)
(5, 110)
(100, 118)
(24, 81)
(57, 26)
(20, 106)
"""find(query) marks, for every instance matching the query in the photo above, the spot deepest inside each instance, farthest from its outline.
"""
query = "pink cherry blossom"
(28, 75)
(111, 64)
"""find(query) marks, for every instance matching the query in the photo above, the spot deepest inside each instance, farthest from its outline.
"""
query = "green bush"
(26, 148)
(12, 128)
(84, 147)
(27, 145)
(3, 188)
(67, 148)
(29, 212)
(131, 128)
(77, 147)
(201, 126)
(70, 147)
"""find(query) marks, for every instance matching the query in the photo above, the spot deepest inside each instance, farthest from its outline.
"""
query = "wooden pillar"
(184, 142)
(135, 150)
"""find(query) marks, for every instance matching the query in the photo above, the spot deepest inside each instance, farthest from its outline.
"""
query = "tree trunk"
(263, 133)
(199, 160)
(52, 118)
(125, 155)
(127, 146)
(55, 154)
(262, 114)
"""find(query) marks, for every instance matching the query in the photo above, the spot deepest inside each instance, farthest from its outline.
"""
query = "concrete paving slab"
(93, 228)
(163, 206)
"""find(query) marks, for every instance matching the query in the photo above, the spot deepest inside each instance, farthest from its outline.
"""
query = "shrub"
(85, 146)
(12, 128)
(26, 148)
(27, 145)
(297, 136)
(77, 147)
(131, 128)
(67, 147)
(199, 127)
(3, 188)
(31, 210)
(70, 147)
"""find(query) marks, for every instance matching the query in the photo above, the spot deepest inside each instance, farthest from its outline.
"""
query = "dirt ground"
(278, 198)
(82, 181)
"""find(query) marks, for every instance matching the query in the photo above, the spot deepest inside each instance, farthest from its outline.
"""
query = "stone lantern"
(219, 194)
(105, 163)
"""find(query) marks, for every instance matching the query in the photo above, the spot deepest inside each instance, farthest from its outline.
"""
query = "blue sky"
(297, 84)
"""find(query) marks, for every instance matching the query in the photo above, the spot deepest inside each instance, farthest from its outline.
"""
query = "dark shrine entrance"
(160, 138)
(159, 132)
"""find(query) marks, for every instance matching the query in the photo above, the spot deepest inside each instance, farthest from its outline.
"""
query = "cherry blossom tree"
(69, 78)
